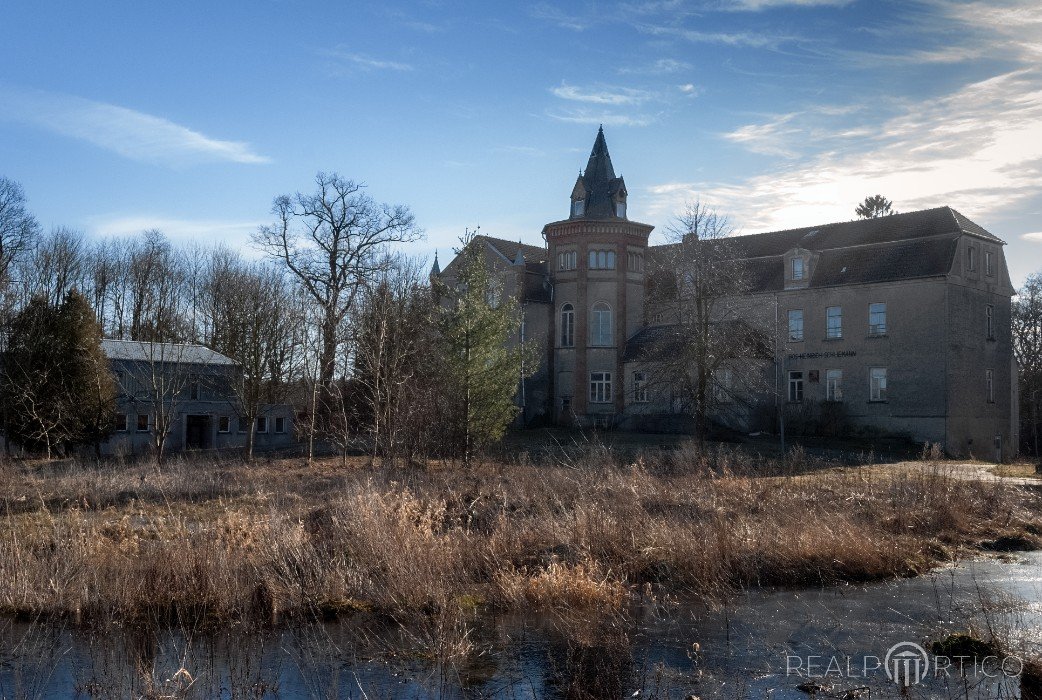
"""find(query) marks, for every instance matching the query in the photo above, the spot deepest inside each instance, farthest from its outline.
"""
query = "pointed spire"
(599, 184)
(436, 268)
(519, 258)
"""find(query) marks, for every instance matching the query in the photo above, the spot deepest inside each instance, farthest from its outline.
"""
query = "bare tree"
(700, 357)
(159, 379)
(332, 241)
(1027, 346)
(252, 323)
(18, 227)
(394, 336)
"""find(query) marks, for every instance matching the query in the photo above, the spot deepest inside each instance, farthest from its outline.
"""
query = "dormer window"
(797, 268)
(620, 209)
(578, 207)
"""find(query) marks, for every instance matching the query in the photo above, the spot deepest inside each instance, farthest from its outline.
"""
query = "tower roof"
(600, 182)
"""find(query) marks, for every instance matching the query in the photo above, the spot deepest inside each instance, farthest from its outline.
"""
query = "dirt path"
(969, 471)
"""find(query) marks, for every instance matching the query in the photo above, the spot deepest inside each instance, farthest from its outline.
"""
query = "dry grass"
(202, 542)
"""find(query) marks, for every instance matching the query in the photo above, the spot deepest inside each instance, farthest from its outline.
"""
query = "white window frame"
(795, 386)
(280, 420)
(640, 387)
(602, 333)
(989, 379)
(137, 425)
(578, 207)
(796, 334)
(798, 268)
(262, 425)
(877, 384)
(227, 421)
(834, 322)
(567, 326)
(121, 426)
(600, 387)
(834, 385)
(875, 326)
(620, 210)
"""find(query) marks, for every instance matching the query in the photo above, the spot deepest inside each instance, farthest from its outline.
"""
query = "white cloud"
(172, 227)
(581, 116)
(551, 13)
(757, 5)
(601, 96)
(688, 89)
(1035, 237)
(695, 36)
(660, 67)
(768, 138)
(129, 133)
(978, 149)
(344, 62)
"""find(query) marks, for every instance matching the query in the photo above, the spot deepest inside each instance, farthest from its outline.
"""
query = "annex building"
(899, 325)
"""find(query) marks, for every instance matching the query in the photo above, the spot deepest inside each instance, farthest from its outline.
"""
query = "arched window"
(567, 326)
(600, 324)
(610, 265)
(593, 259)
(578, 207)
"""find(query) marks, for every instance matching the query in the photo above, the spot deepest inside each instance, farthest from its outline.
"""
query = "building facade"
(900, 325)
(187, 391)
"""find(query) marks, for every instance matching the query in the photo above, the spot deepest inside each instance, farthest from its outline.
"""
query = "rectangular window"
(796, 324)
(834, 322)
(600, 325)
(224, 424)
(989, 263)
(797, 268)
(602, 259)
(262, 424)
(567, 326)
(640, 387)
(280, 424)
(971, 258)
(193, 391)
(795, 387)
(722, 386)
(877, 384)
(142, 422)
(989, 313)
(120, 426)
(877, 319)
(989, 377)
(244, 424)
(600, 387)
(833, 385)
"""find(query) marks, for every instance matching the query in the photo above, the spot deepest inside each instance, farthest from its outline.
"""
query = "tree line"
(334, 319)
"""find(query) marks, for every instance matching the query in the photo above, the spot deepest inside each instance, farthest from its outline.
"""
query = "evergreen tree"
(874, 207)
(482, 371)
(56, 389)
(89, 380)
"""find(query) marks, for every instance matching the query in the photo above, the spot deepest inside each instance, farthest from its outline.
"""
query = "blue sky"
(192, 116)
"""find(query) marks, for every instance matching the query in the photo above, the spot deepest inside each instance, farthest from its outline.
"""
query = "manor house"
(899, 324)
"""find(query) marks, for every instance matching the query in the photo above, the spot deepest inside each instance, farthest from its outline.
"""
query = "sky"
(191, 117)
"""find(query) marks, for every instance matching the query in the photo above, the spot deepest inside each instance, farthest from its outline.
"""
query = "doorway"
(197, 432)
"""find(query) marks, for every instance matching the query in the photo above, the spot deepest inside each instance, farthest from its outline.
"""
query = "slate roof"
(536, 286)
(648, 339)
(600, 182)
(902, 246)
(183, 353)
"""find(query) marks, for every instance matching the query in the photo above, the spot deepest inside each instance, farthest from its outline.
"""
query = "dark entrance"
(197, 432)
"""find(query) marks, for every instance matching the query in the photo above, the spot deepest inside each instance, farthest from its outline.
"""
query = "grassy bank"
(211, 542)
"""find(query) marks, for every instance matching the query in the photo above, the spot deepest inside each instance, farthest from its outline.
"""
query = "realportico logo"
(905, 663)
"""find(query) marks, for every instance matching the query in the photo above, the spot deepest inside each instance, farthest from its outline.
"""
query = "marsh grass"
(201, 543)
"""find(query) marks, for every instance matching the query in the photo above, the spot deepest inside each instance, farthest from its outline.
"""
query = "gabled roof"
(174, 353)
(535, 256)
